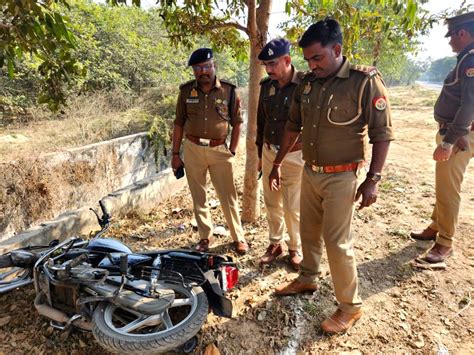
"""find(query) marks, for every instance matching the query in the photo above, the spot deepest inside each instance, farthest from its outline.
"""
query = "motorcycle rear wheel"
(122, 330)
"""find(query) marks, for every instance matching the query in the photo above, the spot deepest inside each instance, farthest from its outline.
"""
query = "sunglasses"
(203, 67)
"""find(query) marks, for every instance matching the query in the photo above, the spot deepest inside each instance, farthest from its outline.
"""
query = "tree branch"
(226, 25)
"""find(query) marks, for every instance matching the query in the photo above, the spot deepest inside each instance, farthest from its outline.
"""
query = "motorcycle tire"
(5, 261)
(148, 338)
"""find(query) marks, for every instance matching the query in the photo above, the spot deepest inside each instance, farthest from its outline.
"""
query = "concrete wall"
(144, 195)
(35, 190)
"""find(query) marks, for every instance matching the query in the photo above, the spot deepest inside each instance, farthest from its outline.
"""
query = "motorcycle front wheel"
(122, 330)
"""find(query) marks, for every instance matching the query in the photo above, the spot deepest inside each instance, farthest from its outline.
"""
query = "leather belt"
(327, 169)
(443, 125)
(276, 147)
(205, 142)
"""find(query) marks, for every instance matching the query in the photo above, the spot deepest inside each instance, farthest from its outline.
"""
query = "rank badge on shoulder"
(272, 91)
(470, 72)
(194, 93)
(307, 88)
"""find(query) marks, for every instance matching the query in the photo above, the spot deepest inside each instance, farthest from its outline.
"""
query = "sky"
(434, 45)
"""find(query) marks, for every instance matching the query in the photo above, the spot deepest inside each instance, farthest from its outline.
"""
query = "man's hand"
(441, 154)
(274, 178)
(176, 162)
(462, 144)
(368, 190)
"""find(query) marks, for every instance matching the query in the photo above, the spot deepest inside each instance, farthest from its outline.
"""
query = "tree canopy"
(40, 29)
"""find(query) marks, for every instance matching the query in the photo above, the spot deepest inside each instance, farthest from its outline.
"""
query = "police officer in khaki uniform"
(334, 108)
(283, 206)
(207, 109)
(454, 111)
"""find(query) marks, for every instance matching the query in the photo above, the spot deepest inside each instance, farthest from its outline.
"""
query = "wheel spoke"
(182, 302)
(137, 323)
(165, 317)
(133, 323)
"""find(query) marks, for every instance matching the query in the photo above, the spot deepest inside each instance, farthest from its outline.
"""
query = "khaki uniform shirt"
(455, 104)
(335, 114)
(274, 109)
(208, 115)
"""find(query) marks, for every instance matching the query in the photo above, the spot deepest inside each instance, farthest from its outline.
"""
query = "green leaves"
(37, 29)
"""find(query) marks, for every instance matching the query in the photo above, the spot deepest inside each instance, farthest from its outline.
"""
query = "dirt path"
(407, 310)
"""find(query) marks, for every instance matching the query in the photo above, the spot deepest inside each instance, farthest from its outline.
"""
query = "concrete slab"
(144, 195)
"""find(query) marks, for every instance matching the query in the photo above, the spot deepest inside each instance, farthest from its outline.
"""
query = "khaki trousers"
(449, 177)
(283, 206)
(218, 161)
(327, 208)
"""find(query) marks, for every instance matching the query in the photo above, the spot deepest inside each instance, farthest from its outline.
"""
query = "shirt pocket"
(284, 109)
(222, 110)
(342, 110)
(193, 110)
(305, 109)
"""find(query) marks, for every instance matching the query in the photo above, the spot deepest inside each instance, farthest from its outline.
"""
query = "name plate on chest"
(192, 101)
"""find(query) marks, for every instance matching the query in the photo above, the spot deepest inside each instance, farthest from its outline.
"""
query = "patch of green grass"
(398, 233)
(386, 185)
(311, 308)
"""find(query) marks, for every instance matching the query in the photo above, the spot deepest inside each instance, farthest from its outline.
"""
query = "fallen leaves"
(5, 320)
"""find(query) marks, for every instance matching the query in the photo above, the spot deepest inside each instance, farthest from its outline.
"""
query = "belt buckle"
(317, 169)
(204, 142)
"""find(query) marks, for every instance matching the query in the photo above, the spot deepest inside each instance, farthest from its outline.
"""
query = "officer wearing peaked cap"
(335, 107)
(454, 112)
(207, 109)
(283, 206)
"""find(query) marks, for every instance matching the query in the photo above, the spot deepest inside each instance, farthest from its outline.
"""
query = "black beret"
(457, 22)
(200, 55)
(274, 49)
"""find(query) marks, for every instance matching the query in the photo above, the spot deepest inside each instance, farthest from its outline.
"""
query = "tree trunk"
(258, 27)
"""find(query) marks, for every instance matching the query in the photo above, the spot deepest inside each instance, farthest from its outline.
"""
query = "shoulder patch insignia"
(380, 103)
(368, 70)
(470, 72)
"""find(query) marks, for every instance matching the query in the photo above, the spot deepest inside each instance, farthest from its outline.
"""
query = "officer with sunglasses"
(208, 117)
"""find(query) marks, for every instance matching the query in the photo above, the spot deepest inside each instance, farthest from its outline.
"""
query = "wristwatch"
(445, 145)
(375, 177)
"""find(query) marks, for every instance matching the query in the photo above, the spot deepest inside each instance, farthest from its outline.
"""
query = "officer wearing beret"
(207, 110)
(283, 206)
(454, 112)
(335, 107)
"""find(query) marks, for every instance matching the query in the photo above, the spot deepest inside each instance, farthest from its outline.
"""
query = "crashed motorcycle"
(133, 302)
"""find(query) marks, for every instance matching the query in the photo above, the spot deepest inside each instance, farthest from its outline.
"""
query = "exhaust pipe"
(58, 316)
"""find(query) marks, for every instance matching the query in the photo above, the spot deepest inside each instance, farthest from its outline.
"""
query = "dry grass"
(87, 119)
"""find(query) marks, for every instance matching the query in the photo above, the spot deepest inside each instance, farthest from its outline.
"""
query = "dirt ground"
(406, 310)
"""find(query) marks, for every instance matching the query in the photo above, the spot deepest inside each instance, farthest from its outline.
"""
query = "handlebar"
(105, 214)
(103, 221)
